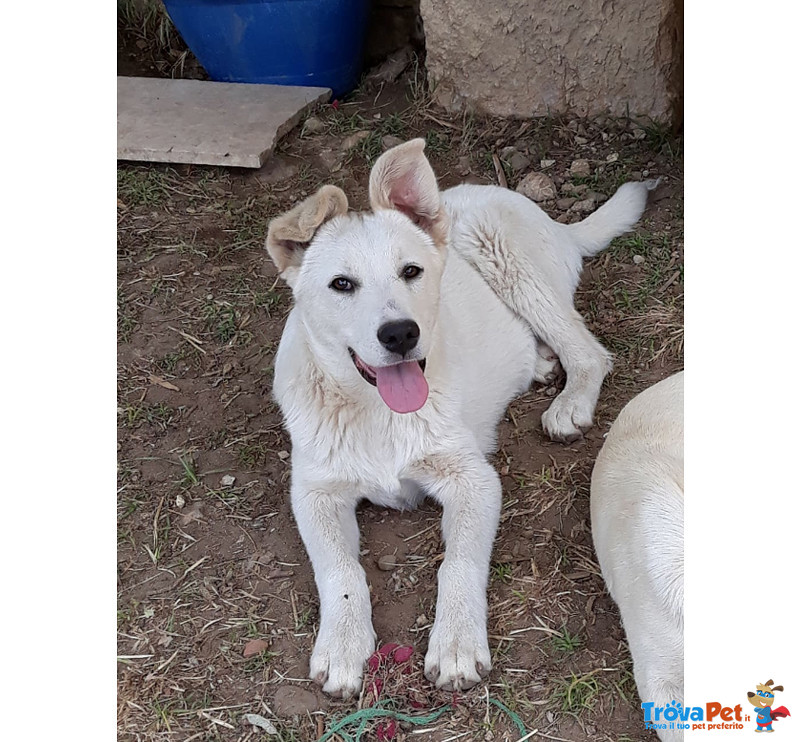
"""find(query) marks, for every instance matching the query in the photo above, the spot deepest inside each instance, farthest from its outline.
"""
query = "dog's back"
(637, 525)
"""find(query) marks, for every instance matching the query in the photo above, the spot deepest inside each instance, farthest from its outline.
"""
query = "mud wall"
(532, 57)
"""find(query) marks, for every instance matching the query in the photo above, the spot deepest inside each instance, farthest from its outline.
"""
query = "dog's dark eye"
(342, 284)
(411, 271)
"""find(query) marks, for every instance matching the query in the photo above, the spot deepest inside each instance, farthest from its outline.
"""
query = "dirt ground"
(217, 609)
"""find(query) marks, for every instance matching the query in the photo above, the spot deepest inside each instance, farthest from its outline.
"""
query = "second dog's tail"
(615, 217)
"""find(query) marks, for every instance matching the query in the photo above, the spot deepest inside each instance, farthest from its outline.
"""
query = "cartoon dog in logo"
(763, 699)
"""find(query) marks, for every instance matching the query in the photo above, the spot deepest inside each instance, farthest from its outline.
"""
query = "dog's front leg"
(470, 493)
(326, 518)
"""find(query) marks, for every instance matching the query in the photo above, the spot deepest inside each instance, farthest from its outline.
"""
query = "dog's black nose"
(399, 337)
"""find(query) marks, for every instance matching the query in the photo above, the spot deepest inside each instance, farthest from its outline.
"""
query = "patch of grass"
(437, 142)
(576, 693)
(247, 221)
(129, 505)
(304, 620)
(148, 20)
(658, 137)
(138, 186)
(270, 300)
(420, 86)
(190, 475)
(162, 711)
(393, 125)
(170, 361)
(260, 663)
(341, 123)
(370, 148)
(126, 318)
(625, 687)
(230, 498)
(221, 319)
(502, 571)
(567, 643)
(253, 454)
(159, 414)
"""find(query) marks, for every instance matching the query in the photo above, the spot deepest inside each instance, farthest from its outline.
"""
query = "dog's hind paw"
(566, 419)
(457, 661)
(548, 367)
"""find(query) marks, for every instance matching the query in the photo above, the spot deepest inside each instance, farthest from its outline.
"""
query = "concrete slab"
(206, 123)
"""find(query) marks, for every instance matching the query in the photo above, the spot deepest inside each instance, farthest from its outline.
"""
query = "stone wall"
(527, 58)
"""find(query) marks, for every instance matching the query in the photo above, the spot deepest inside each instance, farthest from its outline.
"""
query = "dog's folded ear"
(291, 233)
(402, 179)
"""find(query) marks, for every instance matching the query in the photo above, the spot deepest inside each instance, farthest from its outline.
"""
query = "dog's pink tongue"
(403, 387)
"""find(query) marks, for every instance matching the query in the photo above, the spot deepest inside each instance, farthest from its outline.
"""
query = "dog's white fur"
(637, 524)
(497, 285)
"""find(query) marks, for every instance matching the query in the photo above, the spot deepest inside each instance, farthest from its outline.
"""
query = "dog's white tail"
(615, 217)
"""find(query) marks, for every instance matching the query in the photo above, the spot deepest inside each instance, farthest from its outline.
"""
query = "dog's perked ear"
(402, 179)
(291, 233)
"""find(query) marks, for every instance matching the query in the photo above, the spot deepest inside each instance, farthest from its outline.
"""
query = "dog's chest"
(366, 444)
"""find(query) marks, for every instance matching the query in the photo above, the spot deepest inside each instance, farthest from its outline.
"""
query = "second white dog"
(637, 525)
(413, 327)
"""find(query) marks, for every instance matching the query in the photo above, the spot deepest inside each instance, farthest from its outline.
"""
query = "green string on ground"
(511, 715)
(364, 716)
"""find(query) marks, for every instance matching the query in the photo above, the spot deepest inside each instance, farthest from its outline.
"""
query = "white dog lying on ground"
(413, 327)
(637, 525)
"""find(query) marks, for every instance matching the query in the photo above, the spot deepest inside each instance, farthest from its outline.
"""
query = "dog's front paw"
(338, 659)
(458, 656)
(567, 418)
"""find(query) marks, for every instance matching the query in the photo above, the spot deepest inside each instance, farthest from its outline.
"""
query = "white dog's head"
(367, 284)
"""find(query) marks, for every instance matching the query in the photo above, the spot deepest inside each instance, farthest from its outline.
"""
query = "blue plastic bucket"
(316, 43)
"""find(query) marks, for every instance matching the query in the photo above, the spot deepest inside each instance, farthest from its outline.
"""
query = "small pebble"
(580, 168)
(583, 206)
(313, 126)
(537, 187)
(354, 139)
(638, 259)
(389, 141)
(387, 562)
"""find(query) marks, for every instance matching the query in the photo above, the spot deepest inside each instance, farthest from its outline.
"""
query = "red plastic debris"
(386, 730)
(335, 104)
(403, 654)
(387, 649)
(374, 662)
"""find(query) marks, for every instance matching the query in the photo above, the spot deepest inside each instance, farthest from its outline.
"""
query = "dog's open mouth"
(402, 386)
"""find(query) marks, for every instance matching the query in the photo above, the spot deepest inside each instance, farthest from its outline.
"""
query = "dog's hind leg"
(512, 275)
(326, 518)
